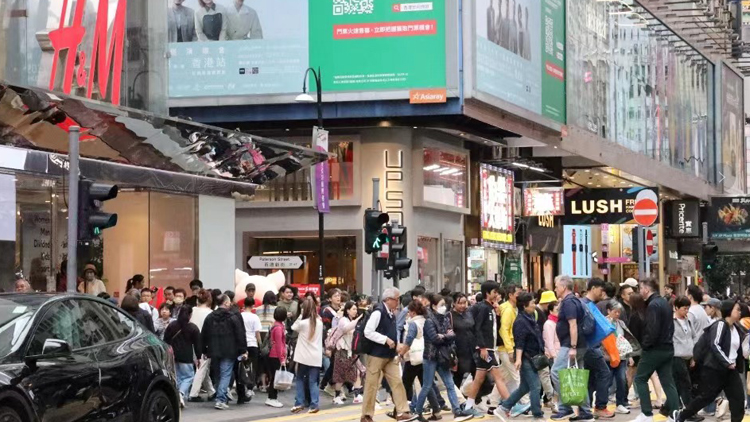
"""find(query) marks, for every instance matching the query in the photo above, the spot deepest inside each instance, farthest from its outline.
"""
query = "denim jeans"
(226, 368)
(185, 375)
(621, 382)
(307, 381)
(561, 362)
(600, 375)
(531, 385)
(429, 367)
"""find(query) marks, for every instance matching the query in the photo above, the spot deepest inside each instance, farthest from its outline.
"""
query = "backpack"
(360, 344)
(334, 335)
(587, 325)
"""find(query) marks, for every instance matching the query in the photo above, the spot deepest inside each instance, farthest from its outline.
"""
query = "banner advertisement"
(577, 248)
(497, 218)
(543, 201)
(597, 206)
(729, 218)
(520, 53)
(263, 47)
(732, 132)
(322, 173)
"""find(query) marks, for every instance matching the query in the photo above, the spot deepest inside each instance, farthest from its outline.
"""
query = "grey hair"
(391, 293)
(565, 280)
(135, 293)
(615, 306)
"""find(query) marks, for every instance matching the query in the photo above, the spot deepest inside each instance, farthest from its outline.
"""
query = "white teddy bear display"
(263, 284)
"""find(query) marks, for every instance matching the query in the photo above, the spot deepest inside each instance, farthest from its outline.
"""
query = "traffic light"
(91, 219)
(398, 262)
(709, 252)
(374, 236)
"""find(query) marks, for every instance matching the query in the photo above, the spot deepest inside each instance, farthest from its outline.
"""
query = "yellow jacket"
(508, 313)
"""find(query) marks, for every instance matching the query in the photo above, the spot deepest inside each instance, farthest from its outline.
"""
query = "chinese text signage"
(520, 53)
(543, 201)
(685, 219)
(497, 217)
(263, 47)
(729, 218)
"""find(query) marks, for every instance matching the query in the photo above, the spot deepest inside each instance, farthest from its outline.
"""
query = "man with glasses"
(381, 332)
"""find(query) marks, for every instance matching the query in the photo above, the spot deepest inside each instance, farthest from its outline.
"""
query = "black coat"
(145, 319)
(436, 335)
(185, 341)
(659, 325)
(223, 335)
(527, 335)
(463, 326)
(718, 356)
(485, 325)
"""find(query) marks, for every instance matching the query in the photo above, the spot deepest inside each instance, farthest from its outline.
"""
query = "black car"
(78, 358)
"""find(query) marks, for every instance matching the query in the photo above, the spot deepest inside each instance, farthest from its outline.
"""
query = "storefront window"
(340, 264)
(172, 239)
(296, 186)
(445, 177)
(427, 260)
(453, 257)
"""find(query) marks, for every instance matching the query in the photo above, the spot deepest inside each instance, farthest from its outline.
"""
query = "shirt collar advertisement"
(597, 206)
(497, 220)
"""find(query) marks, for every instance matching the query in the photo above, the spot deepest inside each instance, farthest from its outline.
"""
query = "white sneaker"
(643, 418)
(338, 400)
(221, 406)
(622, 410)
(704, 413)
(358, 399)
(721, 408)
(232, 396)
(274, 403)
(249, 393)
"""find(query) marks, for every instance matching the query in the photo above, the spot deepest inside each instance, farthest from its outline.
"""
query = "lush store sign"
(264, 46)
(497, 218)
(597, 206)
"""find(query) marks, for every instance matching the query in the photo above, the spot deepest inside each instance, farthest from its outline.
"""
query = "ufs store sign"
(103, 62)
(497, 217)
(597, 206)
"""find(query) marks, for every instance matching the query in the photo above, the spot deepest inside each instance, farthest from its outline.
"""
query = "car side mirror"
(55, 347)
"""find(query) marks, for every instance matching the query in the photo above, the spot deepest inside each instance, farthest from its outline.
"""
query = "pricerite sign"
(685, 219)
(497, 217)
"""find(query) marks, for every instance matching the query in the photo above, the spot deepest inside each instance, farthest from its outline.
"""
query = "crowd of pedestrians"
(497, 353)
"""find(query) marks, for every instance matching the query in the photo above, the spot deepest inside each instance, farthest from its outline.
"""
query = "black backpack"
(360, 344)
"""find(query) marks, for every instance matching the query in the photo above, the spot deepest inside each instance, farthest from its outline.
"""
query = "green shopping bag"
(574, 385)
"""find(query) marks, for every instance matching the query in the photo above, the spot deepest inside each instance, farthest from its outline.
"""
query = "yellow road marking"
(354, 416)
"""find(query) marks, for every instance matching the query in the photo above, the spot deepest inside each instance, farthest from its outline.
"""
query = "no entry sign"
(649, 242)
(646, 208)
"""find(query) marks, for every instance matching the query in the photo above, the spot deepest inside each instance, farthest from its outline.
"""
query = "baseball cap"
(630, 282)
(712, 302)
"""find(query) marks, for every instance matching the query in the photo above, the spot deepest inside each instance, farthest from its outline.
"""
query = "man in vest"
(381, 331)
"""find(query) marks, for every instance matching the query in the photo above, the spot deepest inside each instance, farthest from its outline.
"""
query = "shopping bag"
(283, 379)
(246, 375)
(602, 326)
(574, 385)
(609, 344)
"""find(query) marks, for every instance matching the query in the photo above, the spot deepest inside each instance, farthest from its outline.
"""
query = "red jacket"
(278, 341)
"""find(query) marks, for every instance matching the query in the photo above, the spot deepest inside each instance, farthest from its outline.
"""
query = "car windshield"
(16, 311)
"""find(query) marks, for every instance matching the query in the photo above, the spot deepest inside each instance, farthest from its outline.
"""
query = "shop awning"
(39, 120)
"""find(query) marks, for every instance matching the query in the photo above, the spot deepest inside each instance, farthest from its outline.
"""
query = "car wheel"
(158, 408)
(7, 414)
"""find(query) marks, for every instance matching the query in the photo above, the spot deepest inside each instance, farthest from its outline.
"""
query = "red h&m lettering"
(105, 57)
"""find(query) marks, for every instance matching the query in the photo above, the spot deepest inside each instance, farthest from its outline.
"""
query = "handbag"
(454, 367)
(283, 379)
(540, 362)
(265, 347)
(416, 351)
(246, 376)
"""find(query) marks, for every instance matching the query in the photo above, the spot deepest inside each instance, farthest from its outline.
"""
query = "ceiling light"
(459, 173)
(431, 167)
(450, 171)
(415, 127)
(520, 165)
(539, 169)
(589, 183)
(587, 171)
(287, 129)
(440, 169)
(630, 186)
(622, 183)
(598, 186)
(555, 147)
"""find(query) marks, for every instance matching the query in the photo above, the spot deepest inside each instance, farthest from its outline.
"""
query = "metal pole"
(375, 282)
(72, 270)
(321, 216)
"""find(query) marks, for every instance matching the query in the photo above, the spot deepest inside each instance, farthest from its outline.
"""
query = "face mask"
(178, 300)
(442, 310)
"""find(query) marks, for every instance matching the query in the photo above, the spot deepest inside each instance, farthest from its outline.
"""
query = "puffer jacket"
(223, 335)
(436, 335)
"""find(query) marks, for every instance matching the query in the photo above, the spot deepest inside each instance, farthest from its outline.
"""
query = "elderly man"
(381, 332)
(22, 286)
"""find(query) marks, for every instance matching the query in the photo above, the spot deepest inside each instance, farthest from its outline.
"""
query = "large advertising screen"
(732, 132)
(263, 47)
(729, 218)
(497, 217)
(520, 53)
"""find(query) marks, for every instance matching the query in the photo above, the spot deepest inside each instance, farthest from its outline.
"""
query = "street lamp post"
(304, 97)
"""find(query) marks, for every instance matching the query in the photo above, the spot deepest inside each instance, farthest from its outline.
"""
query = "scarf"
(552, 318)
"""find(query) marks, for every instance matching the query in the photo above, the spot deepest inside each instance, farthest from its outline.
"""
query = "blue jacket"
(435, 335)
(527, 335)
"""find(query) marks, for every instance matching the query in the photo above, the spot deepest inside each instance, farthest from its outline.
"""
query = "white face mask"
(442, 310)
